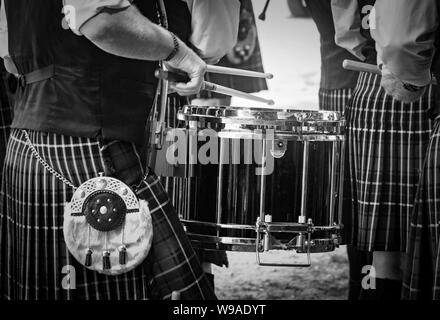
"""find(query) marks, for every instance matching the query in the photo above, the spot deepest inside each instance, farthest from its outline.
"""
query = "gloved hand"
(399, 90)
(188, 61)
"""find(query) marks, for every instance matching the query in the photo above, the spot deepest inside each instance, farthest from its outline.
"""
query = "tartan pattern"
(33, 252)
(387, 142)
(422, 273)
(334, 100)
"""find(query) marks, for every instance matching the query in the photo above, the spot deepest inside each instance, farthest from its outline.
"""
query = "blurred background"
(290, 50)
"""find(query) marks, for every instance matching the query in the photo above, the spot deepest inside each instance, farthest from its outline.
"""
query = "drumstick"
(238, 72)
(360, 66)
(208, 86)
(234, 93)
(366, 67)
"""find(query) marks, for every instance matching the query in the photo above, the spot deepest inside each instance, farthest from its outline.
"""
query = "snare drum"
(273, 181)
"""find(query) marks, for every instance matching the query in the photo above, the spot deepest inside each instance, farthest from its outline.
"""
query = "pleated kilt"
(34, 259)
(387, 143)
(334, 99)
(422, 273)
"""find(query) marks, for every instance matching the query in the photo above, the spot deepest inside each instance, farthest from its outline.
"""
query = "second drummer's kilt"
(334, 99)
(422, 273)
(35, 263)
(387, 143)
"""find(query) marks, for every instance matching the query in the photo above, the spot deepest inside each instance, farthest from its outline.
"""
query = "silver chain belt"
(55, 173)
(47, 166)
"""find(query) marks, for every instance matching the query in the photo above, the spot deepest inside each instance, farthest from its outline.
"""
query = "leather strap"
(38, 75)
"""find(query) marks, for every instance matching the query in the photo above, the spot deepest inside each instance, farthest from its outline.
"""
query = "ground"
(327, 279)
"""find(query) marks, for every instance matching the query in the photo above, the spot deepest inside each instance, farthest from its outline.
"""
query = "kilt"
(334, 100)
(422, 272)
(387, 143)
(34, 258)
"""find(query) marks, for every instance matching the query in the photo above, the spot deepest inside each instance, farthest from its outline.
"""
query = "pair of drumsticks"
(209, 86)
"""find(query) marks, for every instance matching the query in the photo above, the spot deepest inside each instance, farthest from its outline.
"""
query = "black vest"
(333, 76)
(91, 92)
(369, 50)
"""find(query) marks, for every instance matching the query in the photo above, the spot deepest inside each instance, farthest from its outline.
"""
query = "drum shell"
(229, 193)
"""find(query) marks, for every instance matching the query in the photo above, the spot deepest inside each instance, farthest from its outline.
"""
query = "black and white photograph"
(224, 158)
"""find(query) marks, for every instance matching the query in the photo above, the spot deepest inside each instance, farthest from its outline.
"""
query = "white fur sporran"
(106, 228)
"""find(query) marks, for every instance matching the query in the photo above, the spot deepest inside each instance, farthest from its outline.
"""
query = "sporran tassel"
(88, 262)
(106, 265)
(122, 255)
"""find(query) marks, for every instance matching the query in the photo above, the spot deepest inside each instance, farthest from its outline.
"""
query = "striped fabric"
(422, 274)
(33, 253)
(387, 142)
(334, 100)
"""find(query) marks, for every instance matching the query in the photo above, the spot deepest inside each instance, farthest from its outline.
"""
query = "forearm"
(127, 33)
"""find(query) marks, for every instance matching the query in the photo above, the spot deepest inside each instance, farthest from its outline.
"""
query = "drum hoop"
(259, 116)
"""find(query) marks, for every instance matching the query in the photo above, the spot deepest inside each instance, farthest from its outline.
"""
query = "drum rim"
(225, 114)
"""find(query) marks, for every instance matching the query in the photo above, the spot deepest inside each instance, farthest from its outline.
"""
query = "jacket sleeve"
(78, 12)
(4, 50)
(405, 38)
(214, 27)
(348, 25)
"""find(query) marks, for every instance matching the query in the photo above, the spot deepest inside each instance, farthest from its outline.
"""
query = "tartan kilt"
(422, 274)
(387, 143)
(34, 256)
(334, 99)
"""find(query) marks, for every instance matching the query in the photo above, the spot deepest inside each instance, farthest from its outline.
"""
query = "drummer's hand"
(188, 61)
(400, 91)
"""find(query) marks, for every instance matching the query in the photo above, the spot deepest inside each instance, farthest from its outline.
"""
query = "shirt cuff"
(78, 12)
(421, 78)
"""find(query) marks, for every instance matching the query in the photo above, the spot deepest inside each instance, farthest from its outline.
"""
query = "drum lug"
(279, 148)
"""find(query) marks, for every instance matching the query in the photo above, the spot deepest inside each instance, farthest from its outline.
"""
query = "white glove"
(399, 90)
(188, 61)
